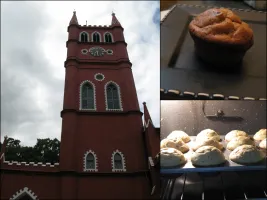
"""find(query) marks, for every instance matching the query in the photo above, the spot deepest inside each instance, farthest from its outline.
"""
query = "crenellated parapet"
(14, 165)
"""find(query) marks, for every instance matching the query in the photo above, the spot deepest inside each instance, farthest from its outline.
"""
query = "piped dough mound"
(246, 154)
(207, 156)
(239, 141)
(232, 134)
(175, 143)
(207, 142)
(179, 134)
(170, 157)
(208, 134)
(220, 25)
(263, 144)
(260, 135)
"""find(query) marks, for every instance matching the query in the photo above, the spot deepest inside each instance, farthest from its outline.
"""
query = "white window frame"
(80, 36)
(92, 36)
(22, 192)
(113, 162)
(110, 35)
(80, 95)
(84, 161)
(119, 94)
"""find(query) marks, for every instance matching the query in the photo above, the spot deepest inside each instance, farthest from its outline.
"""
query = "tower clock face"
(97, 51)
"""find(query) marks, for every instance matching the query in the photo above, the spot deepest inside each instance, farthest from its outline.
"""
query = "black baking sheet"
(182, 70)
(189, 117)
(227, 166)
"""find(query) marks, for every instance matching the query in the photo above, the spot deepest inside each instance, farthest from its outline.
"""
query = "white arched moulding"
(25, 191)
(119, 97)
(87, 37)
(87, 169)
(123, 168)
(80, 96)
(99, 36)
(111, 37)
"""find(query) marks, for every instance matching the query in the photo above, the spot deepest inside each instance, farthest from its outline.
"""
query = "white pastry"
(239, 141)
(260, 135)
(232, 134)
(246, 154)
(179, 134)
(207, 142)
(208, 133)
(176, 143)
(170, 157)
(207, 156)
(263, 144)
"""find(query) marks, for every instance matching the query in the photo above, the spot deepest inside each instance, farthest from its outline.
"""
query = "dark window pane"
(116, 104)
(90, 161)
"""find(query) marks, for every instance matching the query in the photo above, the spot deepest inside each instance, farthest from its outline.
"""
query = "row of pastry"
(207, 149)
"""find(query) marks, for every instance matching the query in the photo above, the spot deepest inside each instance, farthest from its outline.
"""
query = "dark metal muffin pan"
(191, 78)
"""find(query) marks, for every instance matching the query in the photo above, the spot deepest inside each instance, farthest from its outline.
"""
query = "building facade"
(107, 151)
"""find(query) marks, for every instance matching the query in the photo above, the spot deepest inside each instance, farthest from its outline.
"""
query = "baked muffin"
(246, 154)
(170, 157)
(220, 37)
(179, 134)
(207, 156)
(175, 143)
(232, 134)
(263, 144)
(208, 134)
(239, 141)
(260, 135)
(207, 142)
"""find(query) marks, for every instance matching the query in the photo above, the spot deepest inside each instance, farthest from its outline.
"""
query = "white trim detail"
(80, 36)
(110, 35)
(99, 74)
(147, 124)
(123, 162)
(119, 94)
(92, 36)
(84, 51)
(84, 161)
(80, 95)
(23, 191)
(107, 51)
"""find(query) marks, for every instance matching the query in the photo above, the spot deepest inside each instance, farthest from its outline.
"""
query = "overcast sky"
(33, 51)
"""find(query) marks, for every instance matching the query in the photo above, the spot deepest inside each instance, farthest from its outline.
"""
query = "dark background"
(189, 117)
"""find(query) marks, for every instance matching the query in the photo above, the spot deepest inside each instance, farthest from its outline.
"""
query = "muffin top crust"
(222, 26)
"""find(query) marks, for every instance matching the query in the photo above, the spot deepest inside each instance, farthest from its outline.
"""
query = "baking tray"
(227, 166)
(191, 78)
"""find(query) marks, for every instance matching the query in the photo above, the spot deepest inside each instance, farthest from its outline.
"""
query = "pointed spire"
(74, 19)
(115, 21)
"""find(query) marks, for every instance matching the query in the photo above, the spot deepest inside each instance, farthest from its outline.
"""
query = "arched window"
(90, 161)
(118, 161)
(96, 37)
(113, 97)
(24, 194)
(84, 37)
(87, 98)
(108, 38)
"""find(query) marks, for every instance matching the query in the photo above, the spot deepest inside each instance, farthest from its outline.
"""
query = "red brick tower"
(101, 121)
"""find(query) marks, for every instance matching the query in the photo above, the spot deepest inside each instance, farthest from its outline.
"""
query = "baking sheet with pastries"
(227, 166)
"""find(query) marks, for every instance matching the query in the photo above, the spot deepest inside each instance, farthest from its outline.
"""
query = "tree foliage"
(45, 150)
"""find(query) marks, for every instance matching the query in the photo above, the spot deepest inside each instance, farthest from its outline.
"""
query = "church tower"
(101, 121)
